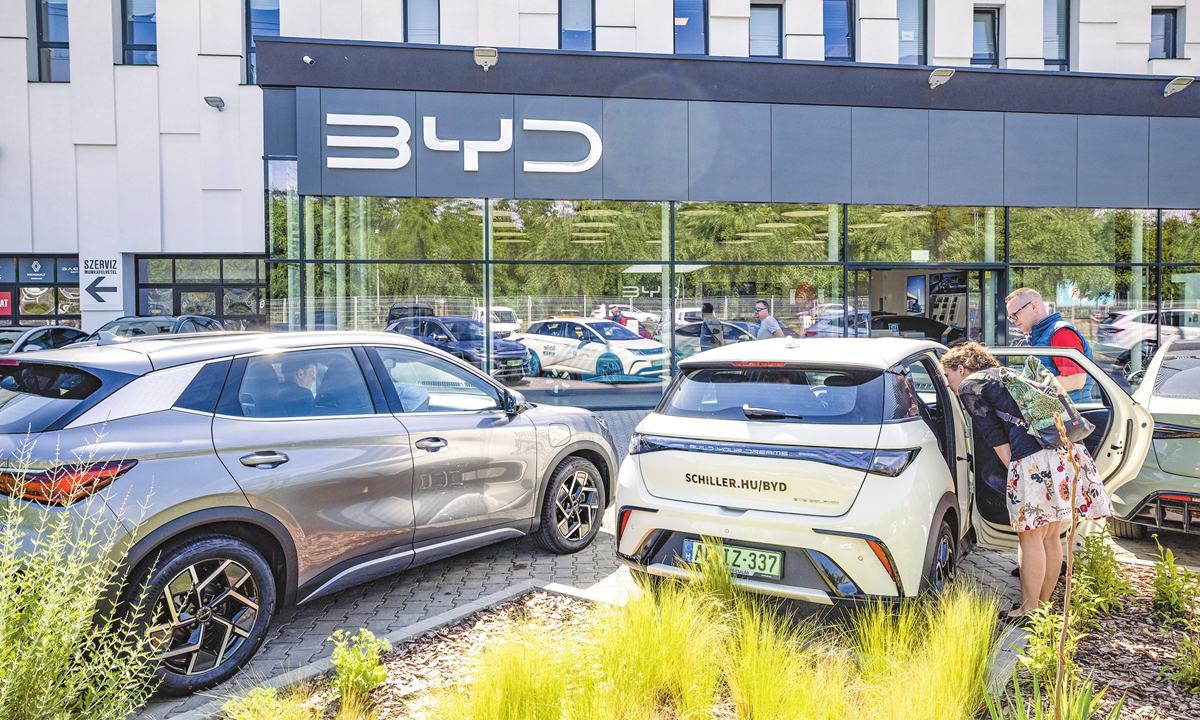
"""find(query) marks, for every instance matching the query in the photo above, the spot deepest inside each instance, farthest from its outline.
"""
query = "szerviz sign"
(100, 283)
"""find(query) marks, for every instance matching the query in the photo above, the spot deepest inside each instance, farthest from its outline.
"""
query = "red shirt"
(1067, 338)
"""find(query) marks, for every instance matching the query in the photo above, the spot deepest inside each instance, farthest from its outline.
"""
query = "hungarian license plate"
(742, 561)
(514, 362)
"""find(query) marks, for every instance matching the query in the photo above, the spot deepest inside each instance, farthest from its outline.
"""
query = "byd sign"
(399, 143)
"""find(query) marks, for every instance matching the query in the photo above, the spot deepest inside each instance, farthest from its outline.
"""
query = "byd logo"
(470, 148)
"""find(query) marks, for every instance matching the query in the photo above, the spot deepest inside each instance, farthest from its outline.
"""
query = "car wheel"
(535, 364)
(573, 507)
(943, 565)
(211, 601)
(1127, 530)
(609, 365)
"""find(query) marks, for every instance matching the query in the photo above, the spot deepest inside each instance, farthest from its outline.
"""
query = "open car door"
(1118, 446)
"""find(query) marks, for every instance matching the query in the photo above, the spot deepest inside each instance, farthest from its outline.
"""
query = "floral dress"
(1039, 488)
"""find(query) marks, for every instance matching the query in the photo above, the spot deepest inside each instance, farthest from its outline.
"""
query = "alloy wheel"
(942, 571)
(204, 615)
(577, 506)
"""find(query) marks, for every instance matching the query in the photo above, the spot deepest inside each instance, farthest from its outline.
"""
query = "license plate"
(656, 363)
(742, 561)
(514, 362)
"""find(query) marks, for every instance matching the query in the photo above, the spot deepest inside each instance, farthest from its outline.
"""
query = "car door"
(1124, 430)
(945, 410)
(586, 348)
(329, 461)
(475, 465)
(550, 345)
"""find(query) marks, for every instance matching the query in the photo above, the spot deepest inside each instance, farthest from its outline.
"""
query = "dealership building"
(865, 168)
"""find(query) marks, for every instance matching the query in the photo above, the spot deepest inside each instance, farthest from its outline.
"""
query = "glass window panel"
(264, 18)
(1054, 33)
(912, 31)
(52, 14)
(156, 301)
(566, 230)
(1162, 33)
(285, 306)
(691, 21)
(345, 296)
(155, 270)
(575, 17)
(239, 269)
(283, 210)
(984, 38)
(198, 303)
(926, 234)
(68, 300)
(241, 301)
(305, 384)
(758, 233)
(1180, 315)
(1181, 235)
(838, 24)
(197, 270)
(765, 28)
(54, 64)
(37, 301)
(1083, 235)
(141, 32)
(421, 22)
(357, 228)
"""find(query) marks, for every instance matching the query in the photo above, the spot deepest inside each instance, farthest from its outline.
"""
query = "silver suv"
(264, 470)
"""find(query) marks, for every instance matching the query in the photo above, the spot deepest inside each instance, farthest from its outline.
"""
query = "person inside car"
(295, 396)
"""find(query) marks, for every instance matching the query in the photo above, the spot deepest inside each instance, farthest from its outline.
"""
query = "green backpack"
(1040, 397)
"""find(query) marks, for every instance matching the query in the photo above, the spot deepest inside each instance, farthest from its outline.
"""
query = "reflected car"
(1120, 333)
(641, 316)
(45, 337)
(136, 327)
(884, 325)
(295, 465)
(463, 338)
(1166, 493)
(407, 310)
(693, 338)
(505, 322)
(587, 348)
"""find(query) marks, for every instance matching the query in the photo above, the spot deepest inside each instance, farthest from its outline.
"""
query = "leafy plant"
(1096, 560)
(1185, 670)
(1041, 655)
(1082, 702)
(60, 656)
(359, 669)
(263, 703)
(1175, 588)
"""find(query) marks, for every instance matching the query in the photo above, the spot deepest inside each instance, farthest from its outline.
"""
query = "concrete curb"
(1009, 647)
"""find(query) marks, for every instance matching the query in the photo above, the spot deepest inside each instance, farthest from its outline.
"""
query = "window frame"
(591, 32)
(778, 8)
(994, 61)
(1062, 64)
(851, 36)
(39, 6)
(128, 47)
(407, 5)
(674, 31)
(1171, 41)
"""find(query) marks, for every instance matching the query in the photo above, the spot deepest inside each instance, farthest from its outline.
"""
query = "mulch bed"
(1129, 649)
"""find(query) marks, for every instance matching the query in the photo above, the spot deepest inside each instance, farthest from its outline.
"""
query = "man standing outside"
(1027, 310)
(615, 314)
(768, 327)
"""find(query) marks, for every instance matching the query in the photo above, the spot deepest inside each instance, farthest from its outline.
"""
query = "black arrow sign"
(94, 289)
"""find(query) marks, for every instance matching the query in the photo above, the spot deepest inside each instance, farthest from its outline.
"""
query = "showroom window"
(422, 22)
(54, 53)
(140, 32)
(766, 31)
(576, 21)
(691, 27)
(985, 38)
(262, 20)
(839, 29)
(912, 31)
(39, 290)
(1055, 34)
(231, 290)
(1163, 27)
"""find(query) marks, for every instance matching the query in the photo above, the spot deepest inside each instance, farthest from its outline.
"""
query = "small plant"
(1082, 702)
(1106, 585)
(1185, 670)
(1175, 588)
(359, 669)
(1041, 655)
(267, 704)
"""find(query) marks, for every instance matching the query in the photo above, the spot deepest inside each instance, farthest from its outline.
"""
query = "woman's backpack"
(1040, 397)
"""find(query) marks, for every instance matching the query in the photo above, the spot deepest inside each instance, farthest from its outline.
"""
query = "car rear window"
(809, 394)
(1179, 376)
(33, 395)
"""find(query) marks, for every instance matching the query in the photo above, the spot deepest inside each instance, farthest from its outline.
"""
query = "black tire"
(223, 635)
(942, 563)
(1127, 530)
(572, 508)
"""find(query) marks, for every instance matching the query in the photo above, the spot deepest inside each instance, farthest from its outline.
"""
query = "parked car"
(298, 464)
(132, 327)
(46, 337)
(505, 322)
(641, 316)
(833, 323)
(406, 310)
(833, 470)
(587, 348)
(1166, 493)
(463, 338)
(693, 338)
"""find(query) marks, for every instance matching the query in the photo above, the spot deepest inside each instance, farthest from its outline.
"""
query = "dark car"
(409, 310)
(47, 337)
(463, 337)
(136, 327)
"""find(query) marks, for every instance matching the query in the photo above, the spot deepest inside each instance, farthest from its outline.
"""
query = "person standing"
(1038, 484)
(615, 314)
(711, 333)
(1028, 311)
(768, 327)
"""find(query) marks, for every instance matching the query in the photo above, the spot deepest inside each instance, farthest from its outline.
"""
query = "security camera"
(309, 61)
(486, 57)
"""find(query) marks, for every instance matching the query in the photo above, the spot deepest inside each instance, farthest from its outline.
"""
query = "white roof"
(870, 352)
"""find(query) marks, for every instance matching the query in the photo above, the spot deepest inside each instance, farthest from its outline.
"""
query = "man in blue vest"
(1027, 310)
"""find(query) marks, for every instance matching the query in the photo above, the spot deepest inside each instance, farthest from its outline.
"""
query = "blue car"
(463, 337)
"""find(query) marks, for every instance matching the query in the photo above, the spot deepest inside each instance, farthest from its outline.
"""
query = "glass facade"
(262, 20)
(53, 47)
(838, 22)
(691, 27)
(576, 25)
(140, 32)
(39, 290)
(231, 290)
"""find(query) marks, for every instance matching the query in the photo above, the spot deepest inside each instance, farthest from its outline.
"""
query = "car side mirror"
(1135, 378)
(441, 338)
(30, 348)
(514, 402)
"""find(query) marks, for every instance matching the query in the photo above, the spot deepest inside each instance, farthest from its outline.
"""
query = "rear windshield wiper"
(757, 413)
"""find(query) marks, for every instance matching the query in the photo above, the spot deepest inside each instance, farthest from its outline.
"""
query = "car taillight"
(891, 462)
(63, 484)
(625, 513)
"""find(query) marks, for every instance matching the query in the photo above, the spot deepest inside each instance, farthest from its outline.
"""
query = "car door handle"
(265, 459)
(432, 444)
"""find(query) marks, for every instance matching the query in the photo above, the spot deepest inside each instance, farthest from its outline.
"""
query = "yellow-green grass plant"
(263, 703)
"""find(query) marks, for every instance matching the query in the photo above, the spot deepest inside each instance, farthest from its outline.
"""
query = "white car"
(589, 348)
(630, 311)
(830, 469)
(1120, 332)
(505, 322)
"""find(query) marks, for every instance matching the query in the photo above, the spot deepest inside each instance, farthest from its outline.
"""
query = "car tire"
(609, 365)
(1127, 530)
(942, 564)
(224, 635)
(572, 508)
(535, 364)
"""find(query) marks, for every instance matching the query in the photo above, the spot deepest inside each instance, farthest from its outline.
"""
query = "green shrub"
(359, 669)
(1040, 657)
(1175, 588)
(60, 657)
(1081, 702)
(1102, 585)
(1185, 670)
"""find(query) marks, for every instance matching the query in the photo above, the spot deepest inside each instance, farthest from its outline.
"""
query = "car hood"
(500, 346)
(639, 344)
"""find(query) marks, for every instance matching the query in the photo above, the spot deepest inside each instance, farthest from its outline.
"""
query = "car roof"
(141, 355)
(870, 352)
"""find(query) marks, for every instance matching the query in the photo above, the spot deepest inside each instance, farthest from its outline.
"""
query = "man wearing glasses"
(1027, 311)
(768, 327)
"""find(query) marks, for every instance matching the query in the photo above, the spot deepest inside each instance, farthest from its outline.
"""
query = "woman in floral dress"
(1039, 480)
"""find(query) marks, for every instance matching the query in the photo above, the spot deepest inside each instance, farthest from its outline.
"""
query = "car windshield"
(8, 337)
(810, 394)
(1179, 376)
(33, 395)
(613, 331)
(466, 330)
(504, 316)
(139, 327)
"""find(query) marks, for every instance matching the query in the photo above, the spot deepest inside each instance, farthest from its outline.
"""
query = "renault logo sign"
(470, 149)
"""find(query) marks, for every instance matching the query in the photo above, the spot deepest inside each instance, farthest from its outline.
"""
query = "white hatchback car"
(831, 469)
(586, 348)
